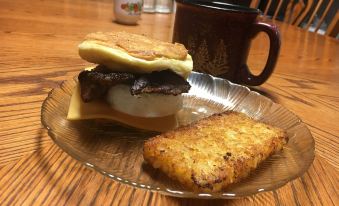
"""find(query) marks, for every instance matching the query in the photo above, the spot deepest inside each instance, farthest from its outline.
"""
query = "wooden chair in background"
(268, 5)
(304, 12)
(291, 13)
(277, 10)
(322, 18)
(296, 12)
(333, 27)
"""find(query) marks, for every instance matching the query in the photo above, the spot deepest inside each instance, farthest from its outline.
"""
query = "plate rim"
(185, 194)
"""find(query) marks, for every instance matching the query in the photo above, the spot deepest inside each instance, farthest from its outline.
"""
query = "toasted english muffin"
(214, 152)
(121, 51)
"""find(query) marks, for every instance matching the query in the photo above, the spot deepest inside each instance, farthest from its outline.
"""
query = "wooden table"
(38, 50)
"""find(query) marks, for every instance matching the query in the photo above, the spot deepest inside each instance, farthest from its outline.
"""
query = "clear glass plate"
(116, 151)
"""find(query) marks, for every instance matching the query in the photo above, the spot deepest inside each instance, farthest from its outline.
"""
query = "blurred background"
(319, 16)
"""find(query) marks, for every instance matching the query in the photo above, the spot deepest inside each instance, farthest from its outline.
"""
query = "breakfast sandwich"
(214, 152)
(138, 80)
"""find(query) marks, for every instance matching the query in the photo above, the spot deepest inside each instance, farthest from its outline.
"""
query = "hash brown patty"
(214, 152)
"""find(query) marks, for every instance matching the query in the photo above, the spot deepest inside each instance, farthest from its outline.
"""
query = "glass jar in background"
(127, 11)
(164, 6)
(149, 6)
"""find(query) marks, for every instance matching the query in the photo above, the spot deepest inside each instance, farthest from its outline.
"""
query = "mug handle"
(245, 76)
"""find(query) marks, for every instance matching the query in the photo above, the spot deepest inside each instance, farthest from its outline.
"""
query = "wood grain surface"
(38, 50)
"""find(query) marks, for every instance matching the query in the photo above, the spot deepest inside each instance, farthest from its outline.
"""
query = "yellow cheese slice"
(78, 110)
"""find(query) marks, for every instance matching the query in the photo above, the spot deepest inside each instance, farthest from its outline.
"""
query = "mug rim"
(219, 5)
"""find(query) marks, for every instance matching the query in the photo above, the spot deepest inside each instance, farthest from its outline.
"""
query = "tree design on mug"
(202, 61)
(191, 45)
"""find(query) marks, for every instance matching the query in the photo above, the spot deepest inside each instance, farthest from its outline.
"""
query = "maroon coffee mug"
(218, 36)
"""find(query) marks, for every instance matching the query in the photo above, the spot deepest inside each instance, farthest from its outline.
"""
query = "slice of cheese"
(78, 110)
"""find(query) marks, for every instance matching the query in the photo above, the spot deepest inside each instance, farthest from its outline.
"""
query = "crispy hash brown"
(139, 46)
(214, 152)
